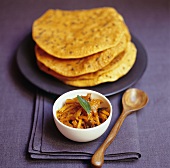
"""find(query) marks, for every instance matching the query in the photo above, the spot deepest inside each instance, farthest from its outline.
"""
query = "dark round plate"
(26, 61)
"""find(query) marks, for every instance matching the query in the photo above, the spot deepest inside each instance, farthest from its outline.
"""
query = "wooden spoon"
(132, 100)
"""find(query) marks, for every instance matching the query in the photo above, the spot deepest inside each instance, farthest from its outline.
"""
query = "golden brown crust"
(80, 66)
(83, 47)
(119, 67)
(78, 33)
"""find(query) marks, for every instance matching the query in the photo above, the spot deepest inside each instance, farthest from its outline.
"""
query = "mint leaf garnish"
(84, 103)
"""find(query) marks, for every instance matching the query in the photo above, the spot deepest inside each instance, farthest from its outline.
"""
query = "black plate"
(27, 64)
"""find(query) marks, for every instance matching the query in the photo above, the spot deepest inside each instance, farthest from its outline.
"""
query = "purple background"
(149, 20)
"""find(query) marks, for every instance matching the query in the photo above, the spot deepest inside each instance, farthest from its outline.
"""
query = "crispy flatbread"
(80, 66)
(79, 33)
(119, 67)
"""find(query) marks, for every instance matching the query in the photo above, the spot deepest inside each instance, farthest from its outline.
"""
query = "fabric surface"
(48, 143)
(148, 20)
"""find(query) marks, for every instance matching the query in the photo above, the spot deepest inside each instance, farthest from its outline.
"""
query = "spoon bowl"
(133, 99)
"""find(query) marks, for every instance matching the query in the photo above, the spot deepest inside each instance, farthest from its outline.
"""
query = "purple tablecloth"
(47, 142)
(149, 20)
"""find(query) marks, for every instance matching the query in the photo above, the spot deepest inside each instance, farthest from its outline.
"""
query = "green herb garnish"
(84, 103)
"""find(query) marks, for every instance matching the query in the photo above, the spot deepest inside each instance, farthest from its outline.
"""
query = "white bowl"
(81, 135)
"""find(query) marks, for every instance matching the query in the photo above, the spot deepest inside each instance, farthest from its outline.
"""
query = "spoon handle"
(98, 157)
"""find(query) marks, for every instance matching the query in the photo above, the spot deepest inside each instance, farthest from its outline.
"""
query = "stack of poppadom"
(83, 47)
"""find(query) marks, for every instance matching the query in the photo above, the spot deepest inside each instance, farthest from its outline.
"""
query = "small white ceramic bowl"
(81, 135)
